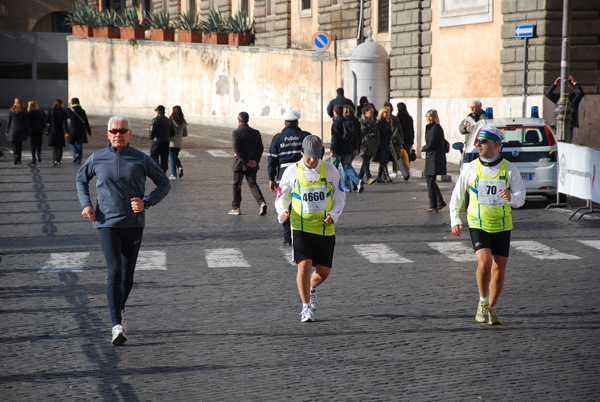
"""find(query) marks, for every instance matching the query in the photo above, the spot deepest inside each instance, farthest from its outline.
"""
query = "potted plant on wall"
(130, 25)
(215, 29)
(240, 32)
(188, 25)
(160, 26)
(107, 25)
(82, 20)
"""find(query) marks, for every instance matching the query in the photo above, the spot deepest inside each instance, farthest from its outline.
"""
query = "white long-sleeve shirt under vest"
(288, 181)
(468, 176)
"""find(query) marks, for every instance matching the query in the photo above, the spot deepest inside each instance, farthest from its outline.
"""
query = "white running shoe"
(118, 335)
(307, 315)
(313, 300)
(172, 177)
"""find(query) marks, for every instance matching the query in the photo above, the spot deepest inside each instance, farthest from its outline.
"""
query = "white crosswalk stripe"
(458, 251)
(65, 262)
(287, 254)
(149, 260)
(219, 153)
(379, 253)
(592, 243)
(186, 154)
(538, 250)
(225, 258)
(375, 253)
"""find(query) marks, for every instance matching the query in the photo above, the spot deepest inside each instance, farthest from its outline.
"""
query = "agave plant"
(82, 14)
(130, 19)
(214, 23)
(158, 19)
(188, 22)
(238, 23)
(107, 18)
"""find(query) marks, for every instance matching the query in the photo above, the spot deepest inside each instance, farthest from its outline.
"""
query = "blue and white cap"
(491, 133)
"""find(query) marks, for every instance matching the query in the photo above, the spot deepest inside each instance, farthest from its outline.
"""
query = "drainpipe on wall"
(359, 34)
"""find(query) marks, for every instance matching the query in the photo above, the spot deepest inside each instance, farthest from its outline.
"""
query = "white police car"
(529, 144)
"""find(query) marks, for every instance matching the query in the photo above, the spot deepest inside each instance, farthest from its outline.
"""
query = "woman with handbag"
(57, 128)
(79, 129)
(17, 128)
(435, 159)
(37, 125)
(176, 142)
(408, 130)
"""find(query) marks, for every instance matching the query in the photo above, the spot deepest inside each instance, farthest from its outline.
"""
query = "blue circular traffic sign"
(321, 41)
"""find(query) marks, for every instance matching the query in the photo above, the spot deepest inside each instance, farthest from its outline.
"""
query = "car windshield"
(521, 136)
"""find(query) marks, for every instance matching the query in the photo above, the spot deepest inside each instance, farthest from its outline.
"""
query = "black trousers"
(435, 195)
(160, 153)
(238, 178)
(57, 153)
(17, 147)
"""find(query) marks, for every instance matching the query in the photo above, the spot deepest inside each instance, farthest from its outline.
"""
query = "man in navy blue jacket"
(285, 150)
(119, 215)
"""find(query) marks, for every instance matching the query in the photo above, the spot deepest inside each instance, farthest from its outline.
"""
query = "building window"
(244, 7)
(383, 22)
(270, 7)
(305, 10)
(16, 71)
(52, 71)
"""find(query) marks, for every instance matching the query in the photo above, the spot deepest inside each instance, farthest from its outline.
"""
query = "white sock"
(307, 305)
(485, 299)
(312, 290)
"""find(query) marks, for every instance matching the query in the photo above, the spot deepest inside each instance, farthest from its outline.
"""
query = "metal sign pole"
(321, 101)
(525, 48)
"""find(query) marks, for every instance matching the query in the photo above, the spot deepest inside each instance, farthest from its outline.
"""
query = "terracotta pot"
(83, 31)
(106, 32)
(162, 34)
(189, 36)
(132, 33)
(240, 39)
(216, 38)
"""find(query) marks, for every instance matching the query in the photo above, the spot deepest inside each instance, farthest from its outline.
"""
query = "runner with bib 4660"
(311, 196)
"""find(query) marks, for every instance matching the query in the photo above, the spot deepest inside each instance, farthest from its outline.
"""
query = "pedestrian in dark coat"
(17, 128)
(407, 125)
(435, 159)
(37, 123)
(56, 119)
(339, 100)
(79, 129)
(384, 127)
(161, 132)
(369, 141)
(248, 148)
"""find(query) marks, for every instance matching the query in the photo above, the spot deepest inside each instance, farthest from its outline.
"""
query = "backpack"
(348, 134)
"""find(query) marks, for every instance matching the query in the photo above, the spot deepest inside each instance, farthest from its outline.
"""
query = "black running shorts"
(498, 242)
(309, 246)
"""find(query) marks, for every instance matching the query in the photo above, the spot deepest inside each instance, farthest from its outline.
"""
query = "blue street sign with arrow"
(524, 31)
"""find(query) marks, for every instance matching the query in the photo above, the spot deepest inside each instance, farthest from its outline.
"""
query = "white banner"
(574, 170)
(595, 165)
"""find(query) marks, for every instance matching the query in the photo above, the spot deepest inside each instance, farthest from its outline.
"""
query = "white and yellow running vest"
(487, 210)
(311, 202)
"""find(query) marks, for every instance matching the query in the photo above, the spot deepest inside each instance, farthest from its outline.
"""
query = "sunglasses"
(118, 130)
(481, 141)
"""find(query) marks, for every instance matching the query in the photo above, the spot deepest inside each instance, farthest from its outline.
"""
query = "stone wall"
(339, 20)
(212, 83)
(410, 58)
(272, 30)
